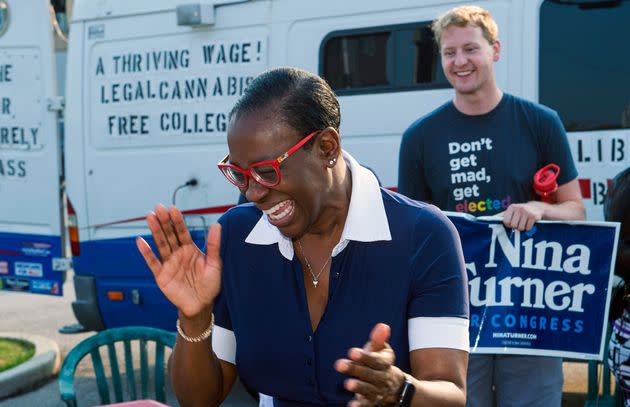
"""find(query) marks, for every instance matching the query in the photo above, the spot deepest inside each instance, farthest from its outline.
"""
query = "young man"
(502, 140)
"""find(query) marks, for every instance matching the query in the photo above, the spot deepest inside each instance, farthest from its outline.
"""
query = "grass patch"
(13, 352)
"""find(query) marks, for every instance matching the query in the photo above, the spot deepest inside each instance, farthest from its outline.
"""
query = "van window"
(382, 59)
(585, 63)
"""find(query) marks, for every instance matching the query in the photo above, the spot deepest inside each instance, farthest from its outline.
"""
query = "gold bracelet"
(201, 337)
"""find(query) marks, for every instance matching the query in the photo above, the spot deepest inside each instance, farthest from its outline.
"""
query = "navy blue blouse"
(415, 282)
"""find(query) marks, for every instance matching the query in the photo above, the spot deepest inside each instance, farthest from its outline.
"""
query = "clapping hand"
(190, 279)
(374, 378)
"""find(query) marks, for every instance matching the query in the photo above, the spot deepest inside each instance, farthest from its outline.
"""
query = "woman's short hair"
(617, 200)
(467, 15)
(299, 98)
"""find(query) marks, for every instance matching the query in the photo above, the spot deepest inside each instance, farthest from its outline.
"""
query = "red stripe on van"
(200, 211)
(206, 211)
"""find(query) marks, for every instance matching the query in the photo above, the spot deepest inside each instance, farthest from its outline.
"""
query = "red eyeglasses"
(266, 173)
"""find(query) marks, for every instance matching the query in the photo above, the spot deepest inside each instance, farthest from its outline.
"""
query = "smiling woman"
(13, 352)
(294, 276)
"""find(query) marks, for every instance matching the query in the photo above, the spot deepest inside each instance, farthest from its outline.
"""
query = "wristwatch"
(406, 395)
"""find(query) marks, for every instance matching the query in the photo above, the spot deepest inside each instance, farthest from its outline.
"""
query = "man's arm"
(568, 206)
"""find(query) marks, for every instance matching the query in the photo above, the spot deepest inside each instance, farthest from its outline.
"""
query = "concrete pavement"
(40, 316)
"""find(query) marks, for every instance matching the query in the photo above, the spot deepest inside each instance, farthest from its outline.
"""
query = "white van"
(31, 226)
(150, 84)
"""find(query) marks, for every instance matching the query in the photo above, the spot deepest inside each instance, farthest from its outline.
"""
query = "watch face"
(4, 16)
(407, 394)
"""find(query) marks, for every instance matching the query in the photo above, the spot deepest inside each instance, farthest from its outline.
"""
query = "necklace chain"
(310, 269)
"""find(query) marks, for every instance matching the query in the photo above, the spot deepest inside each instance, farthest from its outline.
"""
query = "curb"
(44, 364)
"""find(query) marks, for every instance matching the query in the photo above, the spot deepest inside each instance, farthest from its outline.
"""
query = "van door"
(30, 212)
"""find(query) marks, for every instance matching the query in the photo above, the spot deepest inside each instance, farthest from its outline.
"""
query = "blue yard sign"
(543, 292)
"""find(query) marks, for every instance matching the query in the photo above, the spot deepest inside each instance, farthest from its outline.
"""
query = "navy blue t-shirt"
(418, 273)
(481, 164)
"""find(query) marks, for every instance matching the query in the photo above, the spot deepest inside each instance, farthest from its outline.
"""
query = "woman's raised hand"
(190, 279)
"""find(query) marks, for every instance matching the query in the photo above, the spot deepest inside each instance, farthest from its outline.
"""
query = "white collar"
(366, 220)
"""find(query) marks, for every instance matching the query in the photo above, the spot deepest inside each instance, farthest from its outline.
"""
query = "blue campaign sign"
(543, 292)
(29, 263)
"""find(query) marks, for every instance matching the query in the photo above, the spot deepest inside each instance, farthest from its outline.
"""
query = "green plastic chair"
(107, 339)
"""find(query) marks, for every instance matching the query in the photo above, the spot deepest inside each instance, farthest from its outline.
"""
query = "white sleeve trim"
(265, 401)
(224, 344)
(438, 332)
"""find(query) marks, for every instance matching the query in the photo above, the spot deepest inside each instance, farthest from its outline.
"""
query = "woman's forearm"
(438, 393)
(194, 369)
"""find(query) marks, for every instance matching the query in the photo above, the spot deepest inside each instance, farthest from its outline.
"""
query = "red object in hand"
(545, 183)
